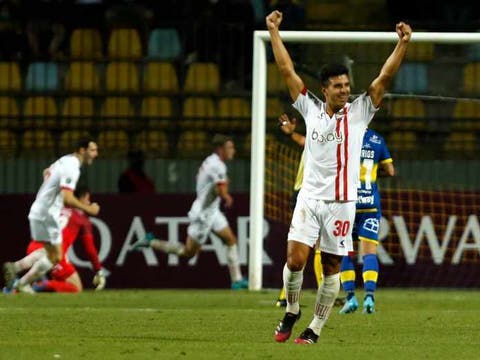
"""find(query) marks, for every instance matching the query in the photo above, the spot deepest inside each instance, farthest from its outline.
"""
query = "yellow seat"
(10, 77)
(154, 143)
(275, 81)
(274, 108)
(116, 111)
(8, 143)
(193, 144)
(113, 143)
(122, 77)
(471, 74)
(198, 112)
(160, 76)
(124, 44)
(461, 144)
(155, 109)
(37, 142)
(234, 113)
(408, 114)
(85, 44)
(8, 112)
(466, 115)
(39, 111)
(77, 112)
(420, 51)
(202, 78)
(82, 77)
(402, 142)
(69, 138)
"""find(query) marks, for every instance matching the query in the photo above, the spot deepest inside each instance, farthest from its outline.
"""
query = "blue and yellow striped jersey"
(374, 152)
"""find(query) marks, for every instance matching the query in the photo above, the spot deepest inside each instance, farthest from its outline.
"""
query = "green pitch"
(221, 324)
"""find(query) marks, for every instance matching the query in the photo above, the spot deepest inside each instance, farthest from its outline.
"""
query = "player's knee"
(190, 252)
(295, 262)
(54, 258)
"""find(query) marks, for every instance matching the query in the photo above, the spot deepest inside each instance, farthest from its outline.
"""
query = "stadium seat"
(408, 114)
(82, 77)
(37, 142)
(466, 115)
(412, 78)
(160, 77)
(68, 139)
(42, 76)
(10, 77)
(198, 113)
(154, 143)
(193, 144)
(8, 112)
(116, 112)
(122, 77)
(471, 74)
(155, 109)
(420, 51)
(234, 113)
(39, 111)
(164, 44)
(77, 113)
(124, 44)
(86, 44)
(8, 143)
(275, 81)
(402, 143)
(461, 145)
(113, 143)
(202, 78)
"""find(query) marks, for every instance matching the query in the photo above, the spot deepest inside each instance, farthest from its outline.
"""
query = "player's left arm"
(386, 169)
(392, 64)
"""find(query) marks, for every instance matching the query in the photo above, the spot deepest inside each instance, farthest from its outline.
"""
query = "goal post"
(259, 95)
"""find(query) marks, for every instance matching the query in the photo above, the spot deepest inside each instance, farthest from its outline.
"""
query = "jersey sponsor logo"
(367, 154)
(366, 200)
(375, 139)
(327, 137)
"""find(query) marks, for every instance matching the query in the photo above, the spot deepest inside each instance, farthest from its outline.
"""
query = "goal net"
(430, 119)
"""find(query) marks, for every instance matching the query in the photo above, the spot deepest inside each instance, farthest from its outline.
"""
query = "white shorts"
(202, 224)
(47, 230)
(329, 221)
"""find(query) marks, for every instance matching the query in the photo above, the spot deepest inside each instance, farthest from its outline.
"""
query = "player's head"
(87, 150)
(224, 146)
(335, 83)
(82, 193)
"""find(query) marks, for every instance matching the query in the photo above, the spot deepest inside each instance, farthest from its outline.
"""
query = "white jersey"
(332, 147)
(62, 174)
(213, 171)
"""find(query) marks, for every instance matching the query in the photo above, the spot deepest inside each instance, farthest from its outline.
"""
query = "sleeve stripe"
(389, 160)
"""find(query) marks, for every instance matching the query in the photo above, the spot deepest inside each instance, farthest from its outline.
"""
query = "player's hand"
(274, 20)
(93, 209)
(228, 201)
(100, 280)
(404, 31)
(286, 124)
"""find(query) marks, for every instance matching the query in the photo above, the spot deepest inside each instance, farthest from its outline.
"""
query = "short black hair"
(83, 143)
(81, 190)
(329, 70)
(219, 140)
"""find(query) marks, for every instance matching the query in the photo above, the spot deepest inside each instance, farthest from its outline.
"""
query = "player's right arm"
(282, 58)
(222, 191)
(70, 200)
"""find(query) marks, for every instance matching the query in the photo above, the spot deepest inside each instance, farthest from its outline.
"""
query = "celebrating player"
(326, 202)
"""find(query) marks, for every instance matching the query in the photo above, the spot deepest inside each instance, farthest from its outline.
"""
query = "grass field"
(221, 324)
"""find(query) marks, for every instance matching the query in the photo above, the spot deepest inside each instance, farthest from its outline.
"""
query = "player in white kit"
(46, 222)
(205, 215)
(325, 207)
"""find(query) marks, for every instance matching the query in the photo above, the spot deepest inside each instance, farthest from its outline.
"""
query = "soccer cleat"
(281, 303)
(9, 275)
(368, 305)
(26, 288)
(285, 326)
(144, 243)
(240, 284)
(351, 305)
(307, 337)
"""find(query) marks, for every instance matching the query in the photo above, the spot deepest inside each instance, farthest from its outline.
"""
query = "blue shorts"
(367, 226)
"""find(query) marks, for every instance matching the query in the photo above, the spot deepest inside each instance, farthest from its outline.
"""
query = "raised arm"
(379, 85)
(282, 58)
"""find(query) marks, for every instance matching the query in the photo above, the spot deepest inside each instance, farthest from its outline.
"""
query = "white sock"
(233, 263)
(28, 261)
(166, 247)
(38, 269)
(292, 281)
(326, 295)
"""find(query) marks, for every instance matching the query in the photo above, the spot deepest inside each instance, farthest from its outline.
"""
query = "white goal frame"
(259, 94)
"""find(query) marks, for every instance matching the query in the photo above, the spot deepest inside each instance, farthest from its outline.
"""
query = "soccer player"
(205, 215)
(56, 191)
(326, 202)
(367, 222)
(64, 277)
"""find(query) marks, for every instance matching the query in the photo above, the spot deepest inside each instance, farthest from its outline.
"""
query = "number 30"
(341, 228)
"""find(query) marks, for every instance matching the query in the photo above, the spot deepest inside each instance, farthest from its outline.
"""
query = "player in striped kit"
(326, 202)
(367, 222)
